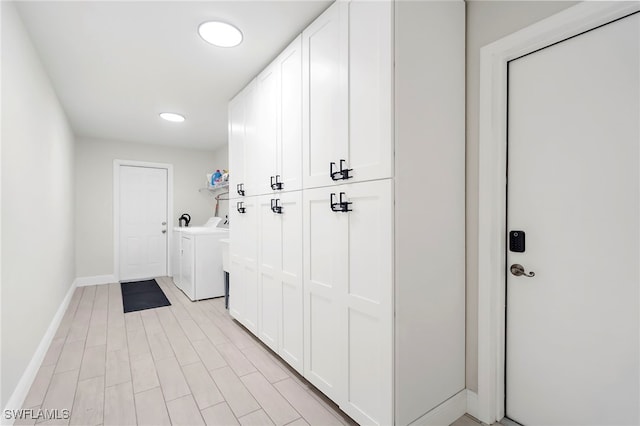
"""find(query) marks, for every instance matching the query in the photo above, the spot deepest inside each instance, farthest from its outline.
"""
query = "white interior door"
(143, 222)
(572, 337)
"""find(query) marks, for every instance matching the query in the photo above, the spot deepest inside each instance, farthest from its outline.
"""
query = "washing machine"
(197, 260)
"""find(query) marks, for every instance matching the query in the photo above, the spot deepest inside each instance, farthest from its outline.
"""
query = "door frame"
(116, 209)
(489, 405)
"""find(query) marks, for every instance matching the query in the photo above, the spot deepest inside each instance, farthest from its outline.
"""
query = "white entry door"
(143, 222)
(572, 330)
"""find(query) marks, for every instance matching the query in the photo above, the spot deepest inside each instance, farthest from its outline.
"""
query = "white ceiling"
(116, 65)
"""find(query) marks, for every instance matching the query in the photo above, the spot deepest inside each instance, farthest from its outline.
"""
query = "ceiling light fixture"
(220, 34)
(172, 116)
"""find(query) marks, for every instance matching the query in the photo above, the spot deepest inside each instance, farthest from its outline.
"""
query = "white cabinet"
(252, 134)
(280, 275)
(236, 144)
(243, 290)
(269, 261)
(278, 147)
(265, 293)
(370, 142)
(267, 141)
(289, 153)
(325, 277)
(348, 94)
(348, 290)
(291, 336)
(325, 79)
(265, 128)
(359, 283)
(244, 142)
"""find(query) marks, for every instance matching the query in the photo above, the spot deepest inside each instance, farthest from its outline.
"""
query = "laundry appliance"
(197, 260)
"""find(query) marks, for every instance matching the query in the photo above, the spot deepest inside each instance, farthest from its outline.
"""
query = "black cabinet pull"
(341, 174)
(343, 171)
(334, 205)
(332, 173)
(240, 189)
(275, 206)
(240, 207)
(277, 185)
(341, 205)
(344, 204)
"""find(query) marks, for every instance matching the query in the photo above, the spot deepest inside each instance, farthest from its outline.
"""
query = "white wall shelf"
(213, 189)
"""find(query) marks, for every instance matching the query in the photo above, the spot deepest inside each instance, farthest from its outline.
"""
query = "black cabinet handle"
(343, 171)
(334, 205)
(333, 174)
(341, 205)
(275, 206)
(240, 189)
(341, 174)
(277, 185)
(240, 207)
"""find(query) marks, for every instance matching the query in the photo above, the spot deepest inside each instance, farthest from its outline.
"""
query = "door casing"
(488, 403)
(116, 209)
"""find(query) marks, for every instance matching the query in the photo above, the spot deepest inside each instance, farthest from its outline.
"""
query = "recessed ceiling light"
(220, 34)
(171, 116)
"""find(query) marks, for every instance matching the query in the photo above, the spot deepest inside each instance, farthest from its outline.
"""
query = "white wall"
(429, 205)
(222, 158)
(38, 266)
(487, 21)
(94, 193)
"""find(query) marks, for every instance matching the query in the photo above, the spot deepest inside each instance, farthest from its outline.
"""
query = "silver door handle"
(518, 270)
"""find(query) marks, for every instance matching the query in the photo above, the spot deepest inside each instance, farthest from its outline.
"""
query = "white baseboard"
(472, 404)
(95, 280)
(445, 413)
(22, 389)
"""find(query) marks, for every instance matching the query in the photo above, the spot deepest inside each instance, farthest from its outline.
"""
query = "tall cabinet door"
(325, 62)
(237, 231)
(325, 274)
(236, 143)
(370, 89)
(368, 300)
(289, 65)
(269, 259)
(291, 343)
(251, 139)
(250, 263)
(267, 138)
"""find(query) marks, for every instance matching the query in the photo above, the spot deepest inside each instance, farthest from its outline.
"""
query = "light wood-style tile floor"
(184, 364)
